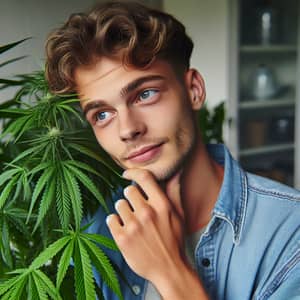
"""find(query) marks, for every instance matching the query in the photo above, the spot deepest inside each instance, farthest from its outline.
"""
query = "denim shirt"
(250, 248)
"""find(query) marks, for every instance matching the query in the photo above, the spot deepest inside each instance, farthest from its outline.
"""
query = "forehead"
(109, 75)
(87, 74)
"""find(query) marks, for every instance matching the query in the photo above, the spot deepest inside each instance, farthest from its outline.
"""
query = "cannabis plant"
(51, 175)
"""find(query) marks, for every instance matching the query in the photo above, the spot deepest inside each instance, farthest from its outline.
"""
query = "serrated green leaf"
(75, 194)
(65, 149)
(89, 184)
(88, 152)
(48, 285)
(15, 211)
(71, 110)
(64, 263)
(102, 240)
(69, 101)
(40, 185)
(86, 226)
(32, 289)
(21, 271)
(17, 127)
(18, 288)
(27, 152)
(6, 175)
(49, 252)
(42, 294)
(26, 186)
(102, 264)
(63, 202)
(5, 237)
(7, 190)
(86, 167)
(40, 167)
(29, 124)
(1, 228)
(7, 296)
(84, 283)
(17, 190)
(78, 272)
(7, 284)
(47, 199)
(16, 222)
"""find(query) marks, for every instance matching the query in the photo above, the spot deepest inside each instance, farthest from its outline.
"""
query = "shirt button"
(205, 262)
(136, 289)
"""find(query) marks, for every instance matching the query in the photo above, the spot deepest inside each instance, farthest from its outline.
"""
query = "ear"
(196, 88)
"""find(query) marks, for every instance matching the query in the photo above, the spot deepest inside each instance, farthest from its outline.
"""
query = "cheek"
(105, 139)
(171, 119)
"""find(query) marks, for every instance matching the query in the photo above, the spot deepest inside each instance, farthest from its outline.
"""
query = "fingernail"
(117, 203)
(125, 191)
(107, 219)
(124, 174)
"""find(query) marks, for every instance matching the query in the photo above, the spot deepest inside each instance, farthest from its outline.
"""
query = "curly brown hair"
(126, 30)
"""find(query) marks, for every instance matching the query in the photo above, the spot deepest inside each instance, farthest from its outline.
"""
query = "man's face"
(143, 118)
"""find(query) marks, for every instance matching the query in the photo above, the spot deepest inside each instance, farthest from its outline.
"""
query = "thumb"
(173, 192)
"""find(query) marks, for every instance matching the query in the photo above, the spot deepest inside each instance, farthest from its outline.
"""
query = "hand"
(149, 228)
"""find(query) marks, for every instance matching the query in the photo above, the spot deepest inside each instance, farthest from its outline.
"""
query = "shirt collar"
(232, 199)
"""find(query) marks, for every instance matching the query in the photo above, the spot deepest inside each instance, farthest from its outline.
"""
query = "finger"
(135, 197)
(146, 181)
(173, 191)
(113, 222)
(124, 210)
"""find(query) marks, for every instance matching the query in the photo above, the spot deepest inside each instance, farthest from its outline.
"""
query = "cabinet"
(264, 87)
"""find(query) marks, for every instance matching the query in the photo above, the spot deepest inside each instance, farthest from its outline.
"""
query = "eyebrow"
(138, 82)
(131, 86)
(92, 105)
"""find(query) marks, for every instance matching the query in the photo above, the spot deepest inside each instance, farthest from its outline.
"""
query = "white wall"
(206, 23)
(31, 18)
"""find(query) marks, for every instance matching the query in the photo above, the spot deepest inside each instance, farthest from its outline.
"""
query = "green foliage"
(85, 252)
(211, 123)
(50, 165)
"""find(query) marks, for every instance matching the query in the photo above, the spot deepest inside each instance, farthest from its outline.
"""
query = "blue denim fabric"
(251, 246)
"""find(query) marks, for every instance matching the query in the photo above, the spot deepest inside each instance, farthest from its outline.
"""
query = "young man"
(194, 225)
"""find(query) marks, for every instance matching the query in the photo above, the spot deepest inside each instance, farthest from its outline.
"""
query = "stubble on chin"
(184, 141)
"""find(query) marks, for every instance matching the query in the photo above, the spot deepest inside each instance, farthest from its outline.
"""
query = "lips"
(145, 154)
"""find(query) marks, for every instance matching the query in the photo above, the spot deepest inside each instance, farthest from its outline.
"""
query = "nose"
(131, 125)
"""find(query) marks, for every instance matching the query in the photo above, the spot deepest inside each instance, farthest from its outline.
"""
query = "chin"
(167, 172)
(170, 170)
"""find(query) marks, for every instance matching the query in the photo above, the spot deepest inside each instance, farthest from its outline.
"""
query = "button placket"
(205, 261)
(136, 289)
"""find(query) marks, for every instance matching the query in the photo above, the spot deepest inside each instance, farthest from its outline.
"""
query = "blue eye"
(102, 115)
(147, 94)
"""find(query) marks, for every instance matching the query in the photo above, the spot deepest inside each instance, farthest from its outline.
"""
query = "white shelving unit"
(264, 134)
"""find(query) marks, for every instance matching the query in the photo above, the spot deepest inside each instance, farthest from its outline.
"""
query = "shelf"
(252, 104)
(266, 149)
(268, 49)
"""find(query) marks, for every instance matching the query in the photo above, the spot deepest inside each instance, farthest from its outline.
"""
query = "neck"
(200, 187)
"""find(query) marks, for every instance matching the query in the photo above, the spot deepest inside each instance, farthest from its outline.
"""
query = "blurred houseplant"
(52, 173)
